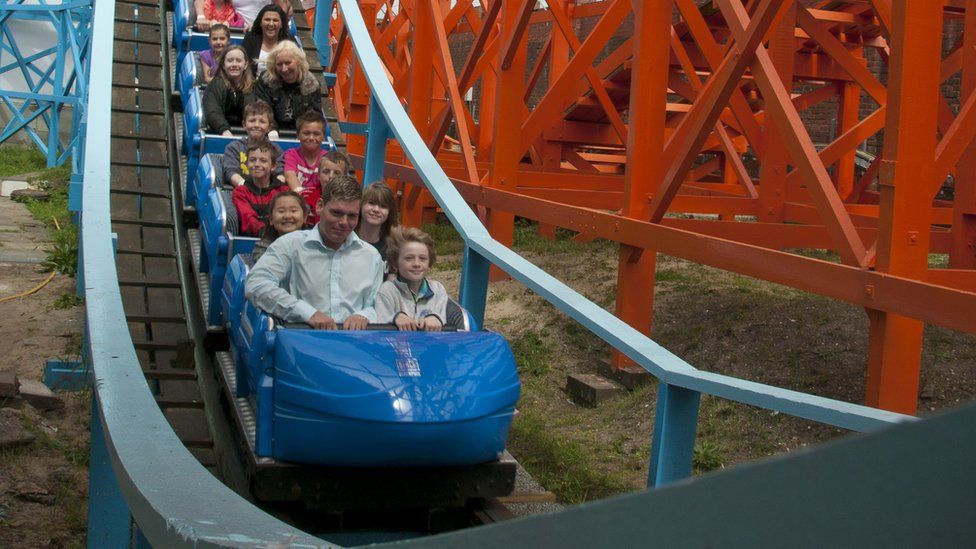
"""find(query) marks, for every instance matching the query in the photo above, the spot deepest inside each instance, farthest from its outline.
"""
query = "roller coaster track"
(152, 451)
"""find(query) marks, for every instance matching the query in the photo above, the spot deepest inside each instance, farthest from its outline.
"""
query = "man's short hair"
(258, 107)
(342, 187)
(309, 117)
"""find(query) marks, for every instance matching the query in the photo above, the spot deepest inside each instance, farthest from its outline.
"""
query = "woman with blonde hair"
(288, 86)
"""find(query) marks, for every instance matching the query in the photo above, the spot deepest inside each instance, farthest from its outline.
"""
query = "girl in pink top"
(221, 11)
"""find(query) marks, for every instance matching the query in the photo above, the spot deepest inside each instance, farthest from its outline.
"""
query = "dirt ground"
(43, 485)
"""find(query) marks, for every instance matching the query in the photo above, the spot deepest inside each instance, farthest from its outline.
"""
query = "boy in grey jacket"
(257, 124)
(411, 301)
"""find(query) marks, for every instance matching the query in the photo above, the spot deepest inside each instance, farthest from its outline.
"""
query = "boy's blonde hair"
(400, 236)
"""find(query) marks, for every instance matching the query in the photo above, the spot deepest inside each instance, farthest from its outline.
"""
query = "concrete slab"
(631, 376)
(590, 389)
(39, 396)
(22, 238)
(8, 186)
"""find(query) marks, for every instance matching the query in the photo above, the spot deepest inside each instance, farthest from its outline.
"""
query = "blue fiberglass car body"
(371, 398)
(384, 398)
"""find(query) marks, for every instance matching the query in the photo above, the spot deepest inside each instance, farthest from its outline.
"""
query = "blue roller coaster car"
(373, 398)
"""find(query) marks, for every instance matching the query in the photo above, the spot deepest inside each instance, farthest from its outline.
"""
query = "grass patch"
(67, 301)
(706, 457)
(77, 455)
(526, 238)
(815, 253)
(532, 353)
(18, 159)
(449, 265)
(63, 251)
(447, 239)
(580, 338)
(562, 466)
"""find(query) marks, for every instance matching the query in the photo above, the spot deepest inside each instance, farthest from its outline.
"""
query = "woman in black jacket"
(288, 86)
(270, 27)
(231, 88)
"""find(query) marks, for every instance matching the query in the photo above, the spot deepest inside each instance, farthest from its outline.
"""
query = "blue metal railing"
(681, 384)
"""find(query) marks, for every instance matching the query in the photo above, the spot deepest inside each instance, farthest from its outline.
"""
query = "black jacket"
(223, 107)
(289, 101)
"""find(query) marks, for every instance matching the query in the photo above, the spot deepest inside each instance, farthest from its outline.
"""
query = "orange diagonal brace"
(956, 140)
(557, 10)
(457, 104)
(478, 51)
(846, 240)
(848, 141)
(741, 173)
(522, 23)
(687, 140)
(713, 56)
(841, 55)
(553, 102)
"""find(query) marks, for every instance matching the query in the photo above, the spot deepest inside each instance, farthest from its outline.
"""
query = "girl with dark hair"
(287, 214)
(231, 88)
(270, 27)
(379, 216)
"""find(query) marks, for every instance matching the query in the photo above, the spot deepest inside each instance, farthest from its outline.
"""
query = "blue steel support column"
(108, 516)
(377, 132)
(49, 83)
(673, 443)
(323, 22)
(474, 284)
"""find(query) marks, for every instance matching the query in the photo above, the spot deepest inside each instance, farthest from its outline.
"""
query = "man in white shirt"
(325, 275)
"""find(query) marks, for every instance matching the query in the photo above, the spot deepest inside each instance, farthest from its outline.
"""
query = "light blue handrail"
(173, 500)
(677, 413)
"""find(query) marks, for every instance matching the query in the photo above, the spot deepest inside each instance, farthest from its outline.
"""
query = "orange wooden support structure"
(767, 124)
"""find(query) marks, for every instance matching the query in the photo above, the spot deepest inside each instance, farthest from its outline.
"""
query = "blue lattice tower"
(53, 76)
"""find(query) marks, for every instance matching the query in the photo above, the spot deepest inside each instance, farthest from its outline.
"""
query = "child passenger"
(331, 165)
(252, 199)
(219, 40)
(257, 124)
(302, 163)
(412, 302)
(379, 215)
(288, 212)
(228, 92)
(217, 12)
